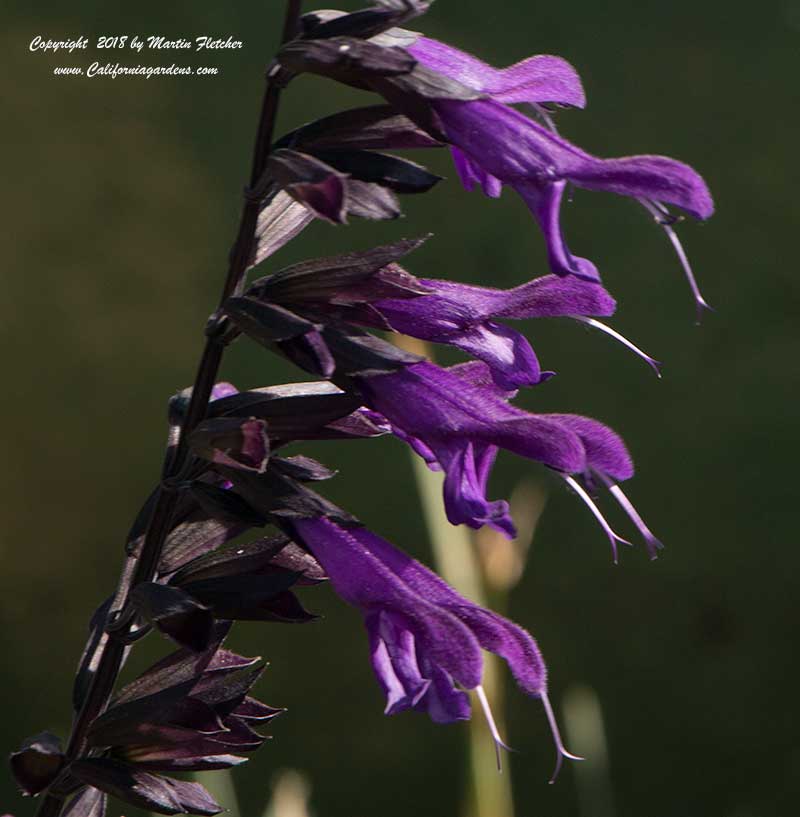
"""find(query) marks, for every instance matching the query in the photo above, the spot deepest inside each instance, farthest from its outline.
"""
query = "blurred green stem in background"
(290, 793)
(583, 719)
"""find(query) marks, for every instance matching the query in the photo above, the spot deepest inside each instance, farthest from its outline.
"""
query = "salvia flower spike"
(235, 528)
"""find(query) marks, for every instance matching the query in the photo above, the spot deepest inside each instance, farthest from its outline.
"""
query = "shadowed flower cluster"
(189, 712)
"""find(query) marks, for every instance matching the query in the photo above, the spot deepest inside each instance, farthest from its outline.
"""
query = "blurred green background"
(120, 202)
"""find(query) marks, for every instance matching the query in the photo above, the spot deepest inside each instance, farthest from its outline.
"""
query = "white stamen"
(561, 752)
(654, 364)
(663, 218)
(653, 544)
(589, 502)
(542, 113)
(487, 712)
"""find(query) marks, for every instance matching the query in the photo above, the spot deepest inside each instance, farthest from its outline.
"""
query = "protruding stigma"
(654, 364)
(666, 220)
(653, 543)
(561, 752)
(614, 538)
(541, 112)
(487, 712)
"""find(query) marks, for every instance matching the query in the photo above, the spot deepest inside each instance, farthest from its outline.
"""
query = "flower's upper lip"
(541, 78)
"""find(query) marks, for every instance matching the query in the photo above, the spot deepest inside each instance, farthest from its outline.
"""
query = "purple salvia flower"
(463, 316)
(538, 163)
(457, 419)
(496, 145)
(425, 639)
(374, 291)
(538, 79)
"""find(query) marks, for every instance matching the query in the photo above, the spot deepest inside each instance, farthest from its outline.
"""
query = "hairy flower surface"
(541, 78)
(457, 419)
(371, 289)
(465, 316)
(426, 640)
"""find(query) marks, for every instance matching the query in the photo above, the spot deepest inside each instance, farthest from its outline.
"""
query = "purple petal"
(549, 296)
(508, 352)
(605, 450)
(478, 375)
(472, 174)
(552, 296)
(541, 78)
(453, 420)
(654, 177)
(365, 582)
(544, 201)
(417, 446)
(484, 455)
(508, 640)
(394, 660)
(458, 314)
(441, 409)
(442, 701)
(494, 632)
(465, 493)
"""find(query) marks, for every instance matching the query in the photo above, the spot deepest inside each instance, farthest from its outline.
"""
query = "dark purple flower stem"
(141, 566)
